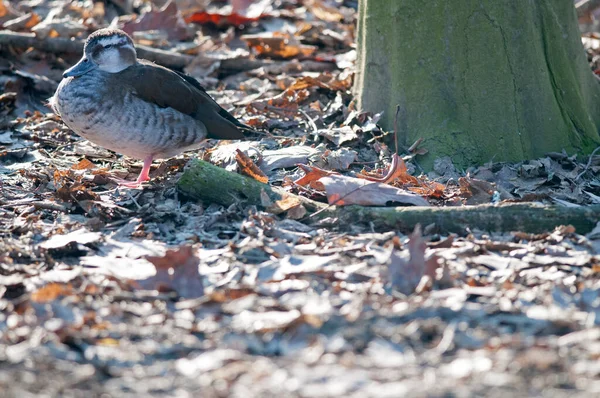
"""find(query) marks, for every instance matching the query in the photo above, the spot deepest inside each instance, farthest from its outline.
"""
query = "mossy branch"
(211, 184)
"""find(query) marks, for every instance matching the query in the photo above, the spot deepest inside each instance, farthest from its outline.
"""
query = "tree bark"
(479, 80)
(211, 184)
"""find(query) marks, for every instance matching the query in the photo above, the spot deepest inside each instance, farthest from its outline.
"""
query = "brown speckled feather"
(168, 89)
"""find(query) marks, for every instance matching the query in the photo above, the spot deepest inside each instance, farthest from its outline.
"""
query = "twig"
(49, 206)
(587, 166)
(396, 128)
(134, 201)
(311, 123)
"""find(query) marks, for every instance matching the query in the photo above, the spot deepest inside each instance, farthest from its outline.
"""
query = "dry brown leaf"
(176, 271)
(277, 45)
(247, 167)
(323, 11)
(397, 174)
(286, 203)
(167, 19)
(51, 292)
(75, 193)
(84, 164)
(324, 80)
(396, 171)
(313, 174)
(287, 101)
(476, 191)
(344, 191)
(406, 274)
(296, 213)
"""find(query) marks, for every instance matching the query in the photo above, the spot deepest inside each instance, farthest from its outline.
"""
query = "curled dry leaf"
(344, 191)
(397, 174)
(247, 167)
(177, 270)
(396, 171)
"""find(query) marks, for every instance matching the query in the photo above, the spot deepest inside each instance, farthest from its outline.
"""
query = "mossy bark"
(479, 80)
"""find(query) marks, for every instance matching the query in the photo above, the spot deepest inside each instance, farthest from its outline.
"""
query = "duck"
(135, 107)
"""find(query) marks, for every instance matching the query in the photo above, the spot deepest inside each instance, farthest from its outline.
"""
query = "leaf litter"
(124, 292)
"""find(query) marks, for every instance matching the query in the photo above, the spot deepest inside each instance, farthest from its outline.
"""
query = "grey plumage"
(134, 107)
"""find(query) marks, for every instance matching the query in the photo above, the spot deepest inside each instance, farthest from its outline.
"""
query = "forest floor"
(145, 292)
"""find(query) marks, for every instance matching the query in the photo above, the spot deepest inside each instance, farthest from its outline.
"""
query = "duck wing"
(169, 89)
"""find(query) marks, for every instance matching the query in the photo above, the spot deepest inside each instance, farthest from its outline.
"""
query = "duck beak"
(80, 68)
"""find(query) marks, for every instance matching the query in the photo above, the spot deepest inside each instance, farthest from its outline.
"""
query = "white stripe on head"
(112, 40)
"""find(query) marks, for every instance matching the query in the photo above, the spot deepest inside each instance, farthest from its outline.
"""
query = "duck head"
(110, 50)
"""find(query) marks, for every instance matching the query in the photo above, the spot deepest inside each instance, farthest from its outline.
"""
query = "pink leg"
(145, 173)
(143, 177)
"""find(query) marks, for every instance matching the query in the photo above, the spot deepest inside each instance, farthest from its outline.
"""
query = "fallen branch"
(209, 183)
(167, 58)
(68, 46)
(204, 181)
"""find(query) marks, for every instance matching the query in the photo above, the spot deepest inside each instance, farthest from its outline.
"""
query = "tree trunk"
(479, 80)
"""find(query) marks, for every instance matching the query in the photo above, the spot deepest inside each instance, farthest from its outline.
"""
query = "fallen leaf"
(396, 171)
(324, 12)
(324, 80)
(81, 236)
(287, 102)
(406, 271)
(263, 322)
(296, 213)
(243, 12)
(287, 157)
(167, 19)
(84, 164)
(286, 203)
(177, 271)
(247, 167)
(278, 45)
(51, 292)
(224, 155)
(340, 159)
(476, 191)
(339, 135)
(313, 174)
(344, 191)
